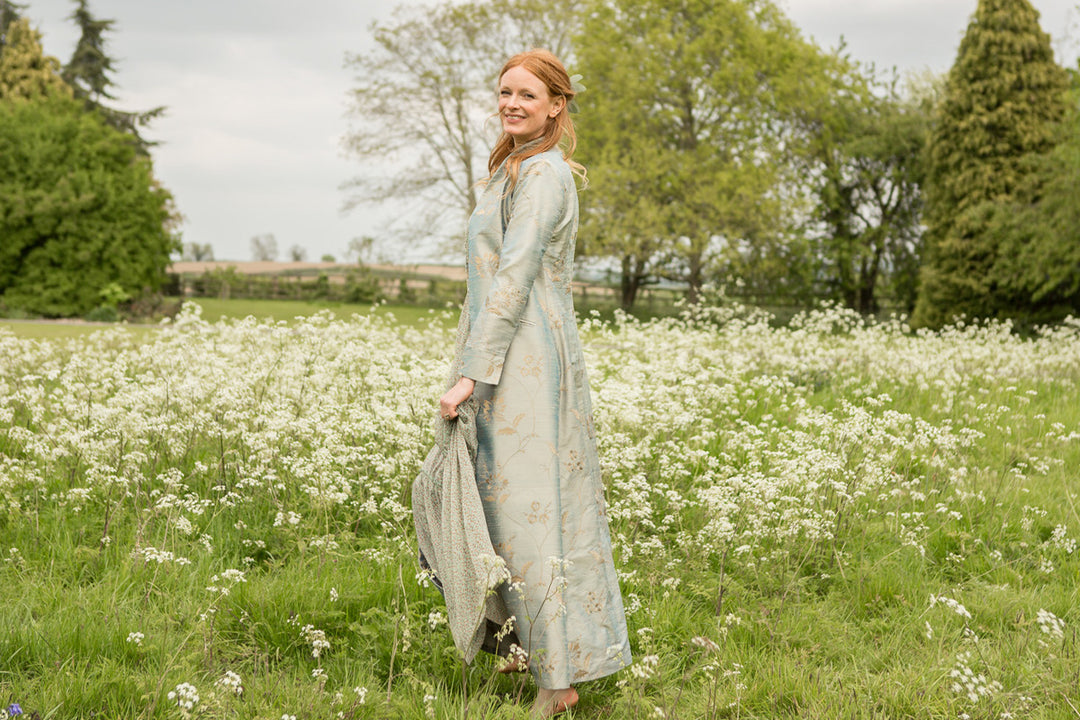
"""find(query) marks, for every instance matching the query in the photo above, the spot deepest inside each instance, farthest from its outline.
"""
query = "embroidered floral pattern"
(486, 264)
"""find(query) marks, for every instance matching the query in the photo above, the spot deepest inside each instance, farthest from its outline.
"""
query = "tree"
(264, 248)
(422, 96)
(297, 253)
(9, 13)
(88, 70)
(359, 250)
(1002, 100)
(688, 146)
(1038, 234)
(867, 151)
(80, 212)
(25, 71)
(88, 73)
(195, 252)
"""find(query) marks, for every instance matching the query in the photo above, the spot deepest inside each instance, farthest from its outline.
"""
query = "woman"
(519, 353)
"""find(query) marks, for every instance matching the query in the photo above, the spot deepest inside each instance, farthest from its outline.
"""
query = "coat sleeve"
(538, 205)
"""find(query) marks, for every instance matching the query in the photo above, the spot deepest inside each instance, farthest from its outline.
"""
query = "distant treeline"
(362, 285)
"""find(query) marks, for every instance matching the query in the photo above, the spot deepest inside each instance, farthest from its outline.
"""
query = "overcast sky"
(256, 96)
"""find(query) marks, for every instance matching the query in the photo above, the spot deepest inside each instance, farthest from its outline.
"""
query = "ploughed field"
(832, 519)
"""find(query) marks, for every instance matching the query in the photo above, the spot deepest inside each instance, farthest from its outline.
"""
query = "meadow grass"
(53, 330)
(234, 309)
(836, 519)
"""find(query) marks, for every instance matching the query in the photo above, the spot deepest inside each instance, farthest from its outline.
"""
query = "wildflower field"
(836, 519)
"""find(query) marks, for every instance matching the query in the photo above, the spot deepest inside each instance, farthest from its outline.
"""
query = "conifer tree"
(88, 70)
(88, 73)
(80, 212)
(1038, 262)
(1002, 99)
(9, 13)
(25, 71)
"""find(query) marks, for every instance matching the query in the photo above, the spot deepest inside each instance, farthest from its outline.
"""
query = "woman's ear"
(558, 105)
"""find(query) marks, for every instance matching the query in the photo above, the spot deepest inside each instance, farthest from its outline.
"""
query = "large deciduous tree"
(686, 131)
(1002, 100)
(867, 151)
(422, 98)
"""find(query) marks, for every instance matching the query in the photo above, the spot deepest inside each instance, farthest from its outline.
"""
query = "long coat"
(537, 467)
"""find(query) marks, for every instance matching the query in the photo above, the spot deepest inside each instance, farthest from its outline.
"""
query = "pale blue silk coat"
(537, 467)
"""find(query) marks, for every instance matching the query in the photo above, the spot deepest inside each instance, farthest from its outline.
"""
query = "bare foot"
(552, 702)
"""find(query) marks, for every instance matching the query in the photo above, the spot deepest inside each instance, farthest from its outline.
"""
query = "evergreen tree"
(1038, 264)
(25, 71)
(9, 13)
(88, 73)
(1002, 99)
(80, 211)
(88, 70)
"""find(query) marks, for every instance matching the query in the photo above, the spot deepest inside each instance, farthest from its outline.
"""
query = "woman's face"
(525, 105)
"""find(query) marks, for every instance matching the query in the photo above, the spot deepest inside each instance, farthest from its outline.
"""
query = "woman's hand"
(456, 395)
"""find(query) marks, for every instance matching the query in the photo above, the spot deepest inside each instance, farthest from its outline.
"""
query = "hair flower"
(578, 88)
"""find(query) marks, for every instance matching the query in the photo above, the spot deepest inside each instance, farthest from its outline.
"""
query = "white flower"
(1051, 624)
(645, 668)
(289, 518)
(185, 695)
(435, 619)
(316, 638)
(231, 682)
(705, 643)
(953, 605)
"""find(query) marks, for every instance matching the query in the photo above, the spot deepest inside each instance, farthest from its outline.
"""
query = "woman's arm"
(538, 205)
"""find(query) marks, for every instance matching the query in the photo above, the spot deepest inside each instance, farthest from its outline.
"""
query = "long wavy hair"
(558, 131)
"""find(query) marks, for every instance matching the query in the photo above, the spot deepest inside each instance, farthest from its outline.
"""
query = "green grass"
(288, 310)
(869, 472)
(46, 330)
(216, 309)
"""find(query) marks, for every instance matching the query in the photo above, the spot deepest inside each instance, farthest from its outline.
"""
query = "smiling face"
(525, 106)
